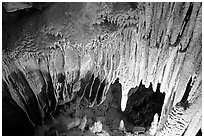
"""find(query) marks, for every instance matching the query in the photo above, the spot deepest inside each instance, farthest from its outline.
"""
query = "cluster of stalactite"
(161, 45)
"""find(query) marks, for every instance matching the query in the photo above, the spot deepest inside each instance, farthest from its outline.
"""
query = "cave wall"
(67, 46)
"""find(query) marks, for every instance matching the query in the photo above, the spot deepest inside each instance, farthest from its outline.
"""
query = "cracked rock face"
(68, 68)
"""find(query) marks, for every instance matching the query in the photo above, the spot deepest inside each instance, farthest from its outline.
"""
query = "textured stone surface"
(77, 50)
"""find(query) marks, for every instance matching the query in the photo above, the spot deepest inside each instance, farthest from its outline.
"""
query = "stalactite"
(156, 43)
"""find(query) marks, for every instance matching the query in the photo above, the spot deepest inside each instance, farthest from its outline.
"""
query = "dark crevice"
(116, 91)
(184, 24)
(184, 101)
(84, 82)
(100, 91)
(199, 133)
(61, 79)
(51, 96)
(69, 90)
(45, 89)
(188, 89)
(88, 87)
(94, 89)
(142, 104)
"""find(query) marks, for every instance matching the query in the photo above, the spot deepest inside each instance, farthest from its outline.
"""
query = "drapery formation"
(152, 42)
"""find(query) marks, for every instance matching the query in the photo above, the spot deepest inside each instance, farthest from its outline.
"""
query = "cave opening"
(143, 103)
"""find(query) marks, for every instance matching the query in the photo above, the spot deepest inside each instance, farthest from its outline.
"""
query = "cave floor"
(77, 119)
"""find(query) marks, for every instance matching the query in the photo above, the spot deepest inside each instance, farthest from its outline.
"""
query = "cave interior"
(85, 114)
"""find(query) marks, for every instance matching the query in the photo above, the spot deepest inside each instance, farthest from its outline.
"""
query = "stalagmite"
(121, 126)
(153, 128)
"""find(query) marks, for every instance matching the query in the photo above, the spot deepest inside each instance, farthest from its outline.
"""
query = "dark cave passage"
(142, 104)
(116, 91)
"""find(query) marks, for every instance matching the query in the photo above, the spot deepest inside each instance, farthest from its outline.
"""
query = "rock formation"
(75, 51)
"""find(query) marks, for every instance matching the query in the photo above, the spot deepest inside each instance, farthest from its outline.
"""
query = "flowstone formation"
(79, 68)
